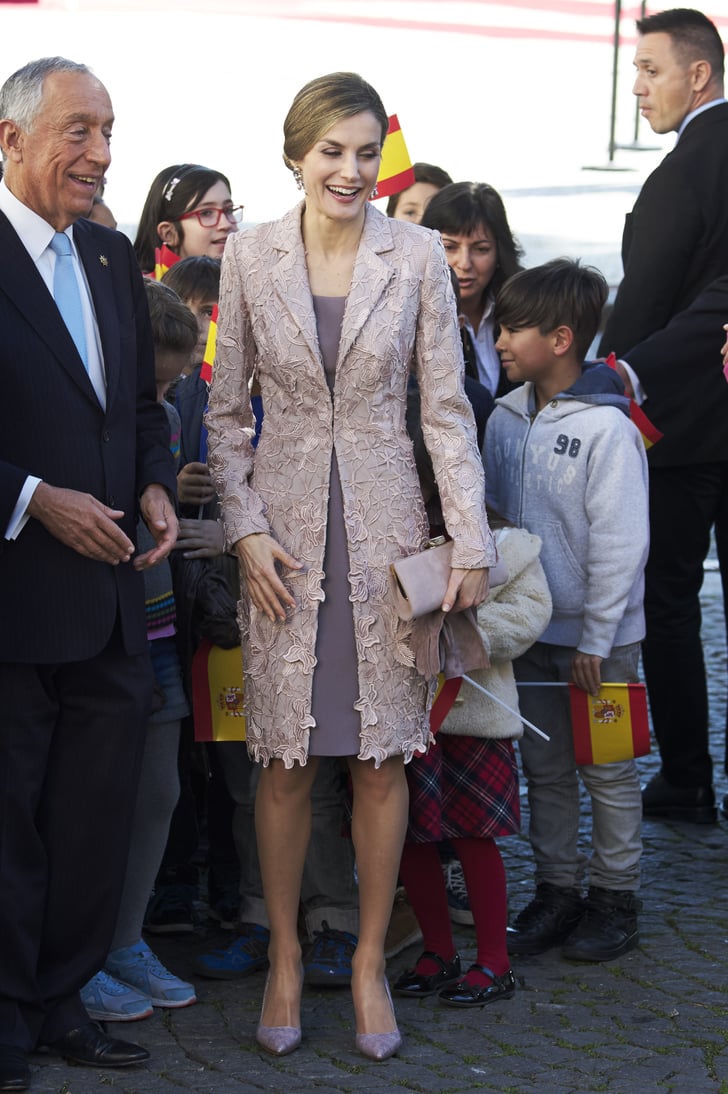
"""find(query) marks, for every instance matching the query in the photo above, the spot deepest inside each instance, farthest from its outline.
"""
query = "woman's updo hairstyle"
(321, 104)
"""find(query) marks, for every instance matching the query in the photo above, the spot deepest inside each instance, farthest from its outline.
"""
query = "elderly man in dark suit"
(675, 244)
(83, 452)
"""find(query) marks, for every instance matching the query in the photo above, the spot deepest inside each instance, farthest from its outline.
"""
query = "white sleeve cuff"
(19, 517)
(639, 391)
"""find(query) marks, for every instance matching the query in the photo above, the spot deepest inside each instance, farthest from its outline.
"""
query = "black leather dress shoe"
(463, 994)
(14, 1070)
(419, 984)
(662, 800)
(89, 1045)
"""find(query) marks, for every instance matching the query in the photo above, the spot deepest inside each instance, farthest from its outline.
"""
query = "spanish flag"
(395, 171)
(611, 726)
(649, 433)
(163, 259)
(217, 693)
(445, 695)
(209, 359)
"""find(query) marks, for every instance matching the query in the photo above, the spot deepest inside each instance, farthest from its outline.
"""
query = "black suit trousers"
(71, 741)
(685, 504)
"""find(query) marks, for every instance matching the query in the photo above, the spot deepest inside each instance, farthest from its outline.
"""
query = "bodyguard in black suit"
(83, 451)
(675, 245)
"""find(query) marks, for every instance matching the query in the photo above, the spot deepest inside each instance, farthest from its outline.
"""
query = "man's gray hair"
(21, 94)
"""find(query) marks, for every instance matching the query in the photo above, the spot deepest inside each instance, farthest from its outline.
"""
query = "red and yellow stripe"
(209, 359)
(395, 171)
(164, 257)
(611, 726)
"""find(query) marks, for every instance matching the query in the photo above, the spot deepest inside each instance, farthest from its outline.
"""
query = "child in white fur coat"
(465, 791)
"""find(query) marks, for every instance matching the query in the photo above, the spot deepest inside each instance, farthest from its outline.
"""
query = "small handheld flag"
(164, 257)
(611, 726)
(209, 358)
(649, 433)
(217, 693)
(445, 696)
(395, 171)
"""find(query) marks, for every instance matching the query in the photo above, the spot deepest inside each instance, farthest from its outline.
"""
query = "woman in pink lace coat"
(329, 308)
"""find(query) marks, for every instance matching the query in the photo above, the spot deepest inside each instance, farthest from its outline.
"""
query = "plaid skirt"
(465, 787)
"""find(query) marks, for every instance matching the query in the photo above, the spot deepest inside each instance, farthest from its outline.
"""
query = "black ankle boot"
(609, 927)
(548, 920)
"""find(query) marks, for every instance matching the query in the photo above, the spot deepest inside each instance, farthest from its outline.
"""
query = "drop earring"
(375, 193)
(298, 176)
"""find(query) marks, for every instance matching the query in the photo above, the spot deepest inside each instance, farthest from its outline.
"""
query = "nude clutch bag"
(420, 581)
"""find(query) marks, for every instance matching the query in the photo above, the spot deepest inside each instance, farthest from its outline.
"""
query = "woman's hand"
(466, 589)
(724, 350)
(258, 554)
(200, 538)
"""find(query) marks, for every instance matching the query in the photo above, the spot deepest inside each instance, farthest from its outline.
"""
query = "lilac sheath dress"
(335, 679)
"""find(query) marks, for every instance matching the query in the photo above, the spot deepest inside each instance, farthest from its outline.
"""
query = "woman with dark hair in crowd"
(190, 208)
(410, 204)
(483, 253)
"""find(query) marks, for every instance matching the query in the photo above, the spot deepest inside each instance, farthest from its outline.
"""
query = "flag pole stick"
(517, 713)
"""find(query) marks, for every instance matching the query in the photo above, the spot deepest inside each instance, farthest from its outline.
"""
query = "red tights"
(485, 879)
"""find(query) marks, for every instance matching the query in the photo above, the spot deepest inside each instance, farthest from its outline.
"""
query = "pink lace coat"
(400, 306)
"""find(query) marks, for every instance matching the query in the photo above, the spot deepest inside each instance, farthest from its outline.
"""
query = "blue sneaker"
(107, 1000)
(246, 954)
(327, 963)
(137, 967)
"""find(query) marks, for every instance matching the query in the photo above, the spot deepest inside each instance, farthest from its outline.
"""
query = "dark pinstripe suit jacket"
(56, 605)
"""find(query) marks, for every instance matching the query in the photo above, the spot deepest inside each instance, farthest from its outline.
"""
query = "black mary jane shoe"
(463, 994)
(420, 984)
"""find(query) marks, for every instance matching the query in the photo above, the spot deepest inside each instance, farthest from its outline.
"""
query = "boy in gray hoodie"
(564, 461)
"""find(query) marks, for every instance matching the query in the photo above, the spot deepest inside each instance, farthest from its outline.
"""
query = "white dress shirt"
(486, 355)
(35, 235)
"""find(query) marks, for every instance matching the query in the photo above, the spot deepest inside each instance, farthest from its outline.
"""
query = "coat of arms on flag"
(217, 693)
(611, 726)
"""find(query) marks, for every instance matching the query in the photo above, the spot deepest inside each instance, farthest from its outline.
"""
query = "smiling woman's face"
(340, 171)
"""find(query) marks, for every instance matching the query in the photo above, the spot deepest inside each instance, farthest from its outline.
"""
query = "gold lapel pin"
(103, 260)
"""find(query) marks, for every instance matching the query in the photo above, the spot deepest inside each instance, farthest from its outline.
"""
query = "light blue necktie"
(66, 293)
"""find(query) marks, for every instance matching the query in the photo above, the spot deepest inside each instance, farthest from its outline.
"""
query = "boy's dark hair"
(559, 293)
(462, 208)
(693, 36)
(194, 278)
(174, 327)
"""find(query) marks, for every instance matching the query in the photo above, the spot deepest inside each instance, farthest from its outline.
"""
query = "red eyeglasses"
(210, 217)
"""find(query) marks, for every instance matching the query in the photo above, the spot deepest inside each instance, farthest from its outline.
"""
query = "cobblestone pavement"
(654, 1020)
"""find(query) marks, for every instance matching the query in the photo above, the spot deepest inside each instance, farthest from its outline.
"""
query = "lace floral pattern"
(399, 308)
